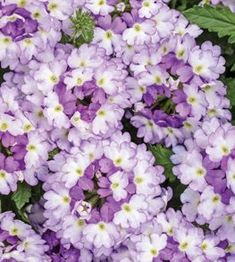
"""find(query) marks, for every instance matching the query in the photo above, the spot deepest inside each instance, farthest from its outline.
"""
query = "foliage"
(215, 19)
(83, 26)
(162, 156)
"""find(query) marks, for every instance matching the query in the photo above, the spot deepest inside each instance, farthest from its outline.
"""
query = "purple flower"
(18, 23)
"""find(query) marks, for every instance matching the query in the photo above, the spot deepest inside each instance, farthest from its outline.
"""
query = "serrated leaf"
(22, 195)
(215, 19)
(162, 156)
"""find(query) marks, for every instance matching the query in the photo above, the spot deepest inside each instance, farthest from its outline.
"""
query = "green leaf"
(162, 156)
(37, 193)
(230, 83)
(216, 19)
(53, 153)
(83, 27)
(22, 195)
(232, 68)
(178, 189)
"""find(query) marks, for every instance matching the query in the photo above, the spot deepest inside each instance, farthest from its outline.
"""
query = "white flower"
(192, 171)
(37, 150)
(230, 174)
(150, 246)
(83, 209)
(99, 7)
(101, 234)
(131, 213)
(107, 118)
(8, 182)
(196, 99)
(9, 124)
(57, 202)
(74, 169)
(210, 249)
(147, 8)
(190, 200)
(189, 240)
(60, 9)
(155, 75)
(85, 57)
(54, 111)
(119, 182)
(77, 77)
(48, 75)
(9, 97)
(210, 204)
(169, 221)
(72, 230)
(122, 155)
(139, 33)
(107, 40)
(146, 178)
(204, 63)
(6, 45)
(221, 143)
(108, 78)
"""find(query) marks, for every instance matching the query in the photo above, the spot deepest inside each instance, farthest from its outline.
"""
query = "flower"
(131, 213)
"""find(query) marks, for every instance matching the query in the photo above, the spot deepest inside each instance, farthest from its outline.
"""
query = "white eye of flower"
(204, 246)
(101, 113)
(137, 28)
(198, 69)
(80, 223)
(212, 112)
(101, 2)
(101, 82)
(4, 127)
(180, 53)
(2, 174)
(139, 180)
(200, 172)
(109, 35)
(170, 231)
(153, 252)
(127, 208)
(27, 127)
(118, 161)
(79, 81)
(31, 148)
(6, 41)
(66, 199)
(54, 79)
(52, 6)
(225, 149)
(191, 100)
(22, 3)
(115, 185)
(82, 63)
(37, 14)
(14, 231)
(183, 246)
(101, 226)
(146, 4)
(58, 109)
(158, 80)
(79, 172)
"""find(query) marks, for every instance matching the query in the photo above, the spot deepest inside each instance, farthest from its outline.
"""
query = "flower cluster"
(19, 242)
(88, 86)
